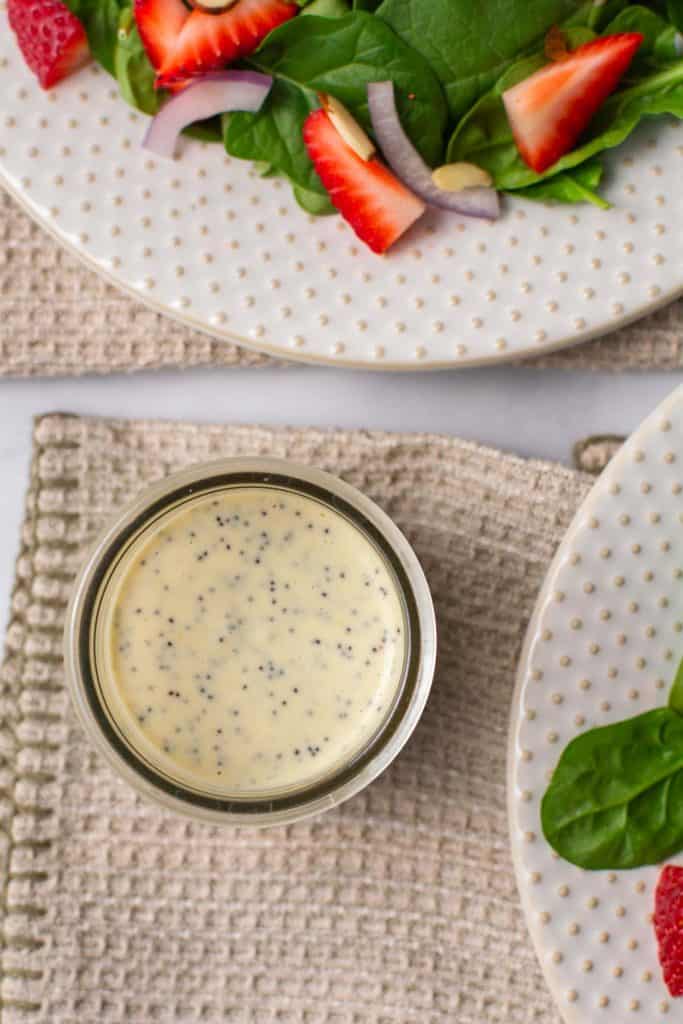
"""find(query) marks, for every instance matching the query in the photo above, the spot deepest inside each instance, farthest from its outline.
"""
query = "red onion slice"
(214, 93)
(408, 165)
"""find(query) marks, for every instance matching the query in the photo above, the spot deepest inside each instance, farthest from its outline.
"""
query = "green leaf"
(659, 42)
(676, 695)
(327, 8)
(210, 130)
(313, 202)
(597, 14)
(100, 18)
(657, 5)
(577, 186)
(669, 45)
(484, 136)
(132, 68)
(273, 136)
(342, 55)
(470, 43)
(674, 9)
(263, 169)
(616, 797)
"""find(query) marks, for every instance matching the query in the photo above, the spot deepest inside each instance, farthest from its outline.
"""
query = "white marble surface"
(530, 412)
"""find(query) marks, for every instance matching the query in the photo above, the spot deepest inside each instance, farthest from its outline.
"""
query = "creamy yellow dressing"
(254, 642)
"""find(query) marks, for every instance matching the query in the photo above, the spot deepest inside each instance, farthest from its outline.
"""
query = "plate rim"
(284, 355)
(568, 1013)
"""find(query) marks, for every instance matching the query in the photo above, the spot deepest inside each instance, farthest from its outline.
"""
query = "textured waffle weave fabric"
(59, 318)
(399, 907)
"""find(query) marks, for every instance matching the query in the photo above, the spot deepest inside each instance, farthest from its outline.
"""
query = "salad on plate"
(377, 110)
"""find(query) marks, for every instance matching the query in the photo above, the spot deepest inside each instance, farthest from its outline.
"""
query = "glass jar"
(89, 616)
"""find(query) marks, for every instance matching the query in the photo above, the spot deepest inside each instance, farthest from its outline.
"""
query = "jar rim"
(189, 484)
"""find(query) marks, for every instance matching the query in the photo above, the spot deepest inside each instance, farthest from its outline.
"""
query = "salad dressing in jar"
(253, 642)
(251, 645)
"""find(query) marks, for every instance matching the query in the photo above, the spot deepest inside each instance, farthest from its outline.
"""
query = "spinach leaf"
(341, 55)
(205, 131)
(669, 45)
(659, 42)
(484, 136)
(674, 8)
(470, 43)
(596, 14)
(313, 202)
(328, 8)
(657, 5)
(616, 796)
(132, 67)
(676, 695)
(273, 136)
(577, 186)
(100, 19)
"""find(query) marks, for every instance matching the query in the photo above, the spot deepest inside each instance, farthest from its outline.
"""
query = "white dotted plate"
(603, 645)
(205, 240)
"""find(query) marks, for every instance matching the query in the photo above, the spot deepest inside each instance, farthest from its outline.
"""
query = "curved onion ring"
(408, 165)
(214, 93)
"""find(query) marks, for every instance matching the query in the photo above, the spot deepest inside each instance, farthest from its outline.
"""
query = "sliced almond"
(456, 177)
(347, 126)
(213, 6)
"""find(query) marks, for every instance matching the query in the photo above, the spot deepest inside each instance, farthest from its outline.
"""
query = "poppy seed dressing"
(255, 642)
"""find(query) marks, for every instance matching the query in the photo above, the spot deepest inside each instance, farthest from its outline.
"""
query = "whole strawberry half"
(369, 197)
(668, 922)
(51, 38)
(550, 109)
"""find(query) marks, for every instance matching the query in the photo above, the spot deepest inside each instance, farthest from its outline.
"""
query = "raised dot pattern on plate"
(539, 278)
(603, 645)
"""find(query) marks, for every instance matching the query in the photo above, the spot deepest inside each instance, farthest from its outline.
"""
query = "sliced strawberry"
(159, 23)
(376, 204)
(209, 41)
(549, 110)
(51, 38)
(668, 922)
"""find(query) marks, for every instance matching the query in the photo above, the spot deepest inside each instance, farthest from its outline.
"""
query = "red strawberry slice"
(159, 23)
(376, 204)
(50, 37)
(210, 41)
(668, 921)
(549, 110)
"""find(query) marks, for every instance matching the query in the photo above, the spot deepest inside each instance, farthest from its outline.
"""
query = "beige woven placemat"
(400, 907)
(59, 318)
